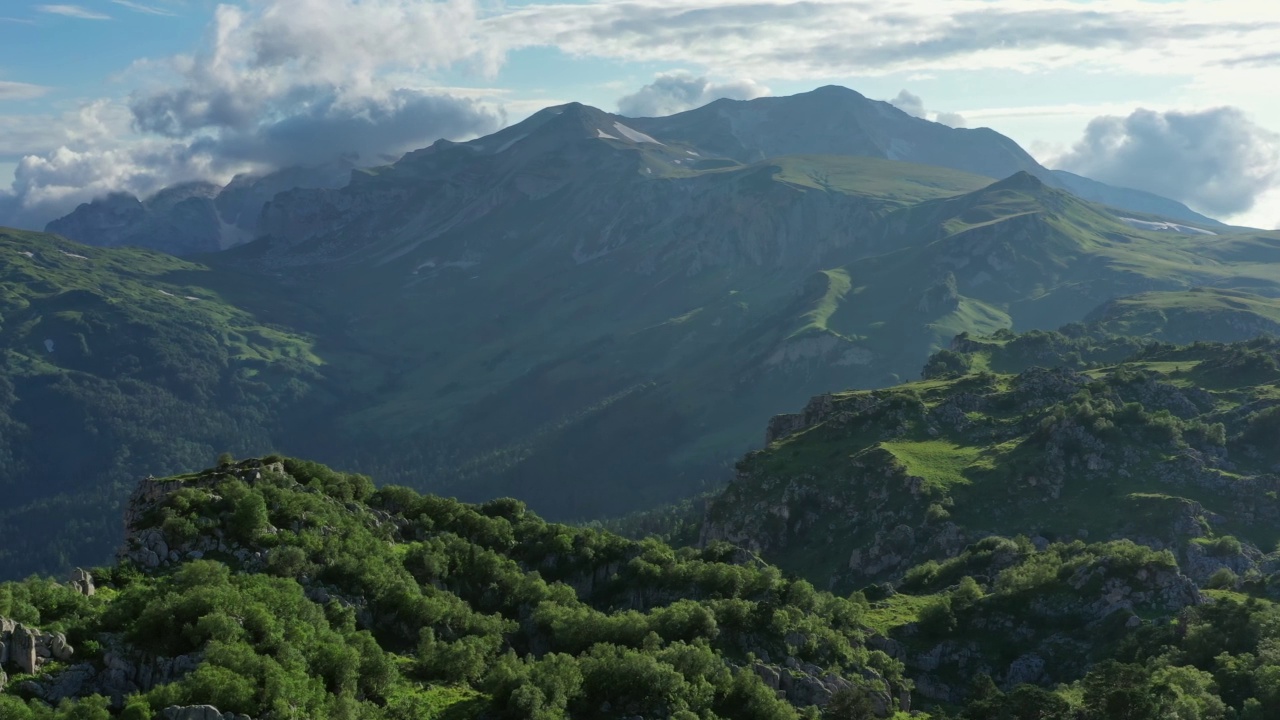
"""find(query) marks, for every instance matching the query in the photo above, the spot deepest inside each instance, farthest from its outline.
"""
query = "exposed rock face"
(150, 547)
(181, 219)
(26, 649)
(807, 684)
(82, 582)
(199, 712)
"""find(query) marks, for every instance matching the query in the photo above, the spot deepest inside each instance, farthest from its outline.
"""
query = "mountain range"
(593, 313)
(856, 416)
(200, 217)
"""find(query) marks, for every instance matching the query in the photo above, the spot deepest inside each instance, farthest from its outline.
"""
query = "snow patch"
(48, 345)
(28, 253)
(604, 135)
(165, 292)
(73, 255)
(634, 135)
(1165, 227)
(188, 297)
(693, 153)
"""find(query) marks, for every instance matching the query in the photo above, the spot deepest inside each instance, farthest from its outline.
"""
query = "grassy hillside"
(981, 509)
(117, 363)
(1167, 447)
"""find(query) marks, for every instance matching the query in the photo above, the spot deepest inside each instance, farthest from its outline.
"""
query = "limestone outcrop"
(25, 649)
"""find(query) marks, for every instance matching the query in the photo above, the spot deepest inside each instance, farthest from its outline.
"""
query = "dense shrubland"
(329, 598)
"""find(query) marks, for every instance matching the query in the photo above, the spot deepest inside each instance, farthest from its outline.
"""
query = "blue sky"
(101, 95)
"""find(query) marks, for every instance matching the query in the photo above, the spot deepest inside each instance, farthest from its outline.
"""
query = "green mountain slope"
(1167, 448)
(981, 511)
(599, 320)
(602, 301)
(1021, 255)
(116, 363)
(572, 307)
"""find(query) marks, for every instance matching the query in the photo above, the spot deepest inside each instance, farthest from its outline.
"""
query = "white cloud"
(281, 82)
(1216, 160)
(20, 91)
(912, 104)
(73, 11)
(670, 93)
(146, 9)
(781, 39)
(909, 103)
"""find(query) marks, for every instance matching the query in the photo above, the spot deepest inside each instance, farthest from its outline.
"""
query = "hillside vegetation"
(119, 363)
(278, 588)
(281, 589)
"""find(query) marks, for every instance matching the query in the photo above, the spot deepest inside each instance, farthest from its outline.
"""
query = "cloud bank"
(280, 83)
(1217, 160)
(671, 93)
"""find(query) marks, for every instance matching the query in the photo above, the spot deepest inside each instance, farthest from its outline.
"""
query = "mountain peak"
(836, 91)
(1021, 180)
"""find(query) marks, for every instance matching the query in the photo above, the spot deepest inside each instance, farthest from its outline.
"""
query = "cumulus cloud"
(277, 83)
(912, 104)
(1215, 160)
(671, 93)
(87, 153)
(909, 103)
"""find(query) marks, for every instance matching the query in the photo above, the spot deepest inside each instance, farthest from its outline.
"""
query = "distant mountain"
(1138, 201)
(585, 311)
(189, 218)
(636, 294)
(198, 217)
(835, 120)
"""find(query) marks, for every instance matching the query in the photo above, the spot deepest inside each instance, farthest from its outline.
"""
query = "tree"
(851, 703)
(1113, 691)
